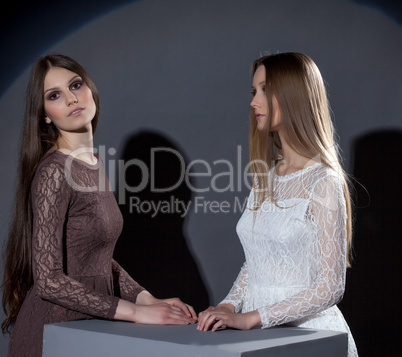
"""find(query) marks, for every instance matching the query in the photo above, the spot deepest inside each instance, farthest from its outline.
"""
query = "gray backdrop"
(181, 68)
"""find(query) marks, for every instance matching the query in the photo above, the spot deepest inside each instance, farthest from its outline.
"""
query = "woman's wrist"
(253, 318)
(146, 298)
(125, 311)
(229, 307)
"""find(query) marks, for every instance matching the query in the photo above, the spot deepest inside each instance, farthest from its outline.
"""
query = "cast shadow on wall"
(373, 290)
(152, 247)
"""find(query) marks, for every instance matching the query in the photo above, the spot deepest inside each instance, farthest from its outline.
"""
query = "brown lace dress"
(76, 223)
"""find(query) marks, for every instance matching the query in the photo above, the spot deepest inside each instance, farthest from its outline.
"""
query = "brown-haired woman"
(296, 231)
(58, 259)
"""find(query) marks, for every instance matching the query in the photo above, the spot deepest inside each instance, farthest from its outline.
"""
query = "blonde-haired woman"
(296, 230)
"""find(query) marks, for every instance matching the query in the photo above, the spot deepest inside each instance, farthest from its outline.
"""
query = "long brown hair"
(296, 82)
(37, 138)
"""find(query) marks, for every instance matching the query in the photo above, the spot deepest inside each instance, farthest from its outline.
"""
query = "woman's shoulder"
(53, 158)
(51, 166)
(50, 179)
(326, 173)
(328, 183)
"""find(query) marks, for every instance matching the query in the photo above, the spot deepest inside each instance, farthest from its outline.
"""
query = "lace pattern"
(76, 222)
(295, 252)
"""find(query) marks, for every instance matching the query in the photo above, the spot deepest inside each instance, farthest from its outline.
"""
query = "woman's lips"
(76, 112)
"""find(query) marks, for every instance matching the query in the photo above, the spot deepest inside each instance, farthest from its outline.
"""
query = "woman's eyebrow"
(260, 84)
(54, 88)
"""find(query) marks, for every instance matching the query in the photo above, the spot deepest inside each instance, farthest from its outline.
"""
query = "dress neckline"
(294, 174)
(79, 161)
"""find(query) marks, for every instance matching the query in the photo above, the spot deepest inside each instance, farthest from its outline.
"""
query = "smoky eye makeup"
(76, 83)
(52, 95)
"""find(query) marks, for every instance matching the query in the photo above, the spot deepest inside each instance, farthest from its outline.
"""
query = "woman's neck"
(79, 145)
(292, 160)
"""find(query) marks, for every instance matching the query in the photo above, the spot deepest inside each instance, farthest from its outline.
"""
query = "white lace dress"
(295, 265)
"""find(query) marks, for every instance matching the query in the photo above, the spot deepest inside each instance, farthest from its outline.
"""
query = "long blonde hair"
(297, 84)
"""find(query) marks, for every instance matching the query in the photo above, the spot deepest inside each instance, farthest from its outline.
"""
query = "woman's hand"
(159, 314)
(146, 298)
(187, 309)
(223, 316)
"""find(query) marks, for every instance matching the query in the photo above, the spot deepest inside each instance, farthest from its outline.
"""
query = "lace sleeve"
(124, 284)
(238, 290)
(327, 215)
(50, 201)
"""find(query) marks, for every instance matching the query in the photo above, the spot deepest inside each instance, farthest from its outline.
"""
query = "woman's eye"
(263, 89)
(76, 85)
(53, 96)
(253, 93)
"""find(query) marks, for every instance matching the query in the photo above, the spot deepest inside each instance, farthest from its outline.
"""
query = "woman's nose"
(254, 103)
(71, 98)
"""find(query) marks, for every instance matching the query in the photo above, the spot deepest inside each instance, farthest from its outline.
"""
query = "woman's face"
(260, 103)
(68, 101)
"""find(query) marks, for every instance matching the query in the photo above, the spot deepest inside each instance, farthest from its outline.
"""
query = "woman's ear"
(47, 120)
